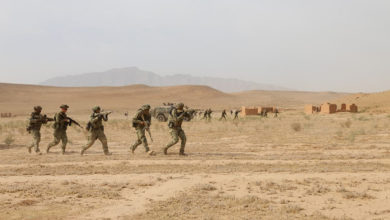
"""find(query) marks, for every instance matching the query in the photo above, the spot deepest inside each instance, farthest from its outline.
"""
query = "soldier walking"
(141, 121)
(236, 112)
(34, 128)
(209, 114)
(205, 114)
(223, 115)
(96, 130)
(174, 123)
(61, 123)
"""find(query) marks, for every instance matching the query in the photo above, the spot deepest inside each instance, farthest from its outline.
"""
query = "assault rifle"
(103, 114)
(71, 121)
(46, 119)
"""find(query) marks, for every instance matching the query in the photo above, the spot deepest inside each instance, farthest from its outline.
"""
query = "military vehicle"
(162, 113)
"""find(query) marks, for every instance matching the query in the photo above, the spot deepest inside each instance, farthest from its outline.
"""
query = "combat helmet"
(96, 108)
(37, 108)
(180, 105)
(64, 106)
(145, 107)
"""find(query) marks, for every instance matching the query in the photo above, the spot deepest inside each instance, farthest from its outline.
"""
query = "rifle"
(103, 114)
(147, 128)
(71, 121)
(46, 119)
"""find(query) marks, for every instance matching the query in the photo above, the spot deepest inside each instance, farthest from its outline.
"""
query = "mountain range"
(134, 75)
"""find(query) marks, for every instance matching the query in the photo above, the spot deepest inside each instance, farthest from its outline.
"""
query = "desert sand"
(295, 166)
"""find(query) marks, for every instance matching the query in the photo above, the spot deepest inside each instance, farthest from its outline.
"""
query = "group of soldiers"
(207, 114)
(141, 122)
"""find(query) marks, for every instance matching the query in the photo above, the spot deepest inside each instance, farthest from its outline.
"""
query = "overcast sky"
(338, 45)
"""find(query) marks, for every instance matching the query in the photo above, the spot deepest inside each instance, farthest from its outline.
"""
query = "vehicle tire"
(161, 118)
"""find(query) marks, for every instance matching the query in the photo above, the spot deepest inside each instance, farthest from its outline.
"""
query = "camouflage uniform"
(138, 120)
(236, 114)
(223, 116)
(209, 114)
(205, 114)
(60, 126)
(36, 121)
(96, 131)
(174, 123)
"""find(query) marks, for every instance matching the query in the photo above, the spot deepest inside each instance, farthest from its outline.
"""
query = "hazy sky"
(339, 45)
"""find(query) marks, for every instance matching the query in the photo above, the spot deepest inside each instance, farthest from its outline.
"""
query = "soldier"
(209, 114)
(141, 121)
(205, 114)
(236, 114)
(96, 129)
(174, 123)
(223, 116)
(36, 121)
(61, 123)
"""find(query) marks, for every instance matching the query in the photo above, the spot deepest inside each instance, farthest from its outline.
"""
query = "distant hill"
(133, 75)
(372, 102)
(19, 99)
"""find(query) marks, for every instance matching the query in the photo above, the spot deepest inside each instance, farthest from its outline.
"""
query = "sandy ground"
(291, 167)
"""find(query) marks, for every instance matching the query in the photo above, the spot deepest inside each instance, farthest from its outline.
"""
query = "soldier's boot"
(29, 149)
(132, 148)
(107, 153)
(63, 151)
(82, 152)
(165, 150)
(182, 153)
(151, 153)
(48, 149)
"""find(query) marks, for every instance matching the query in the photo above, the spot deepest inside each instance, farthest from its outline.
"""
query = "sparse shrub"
(353, 134)
(9, 140)
(293, 209)
(357, 195)
(307, 125)
(346, 124)
(362, 118)
(296, 126)
(205, 187)
(339, 133)
(22, 131)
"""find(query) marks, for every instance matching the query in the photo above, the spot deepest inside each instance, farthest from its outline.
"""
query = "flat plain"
(295, 166)
(291, 167)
